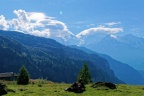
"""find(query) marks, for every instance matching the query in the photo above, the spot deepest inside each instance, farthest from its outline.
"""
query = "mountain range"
(123, 71)
(48, 59)
(126, 48)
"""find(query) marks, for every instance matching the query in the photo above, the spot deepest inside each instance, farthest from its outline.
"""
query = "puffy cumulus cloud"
(38, 24)
(22, 15)
(37, 16)
(99, 30)
(3, 23)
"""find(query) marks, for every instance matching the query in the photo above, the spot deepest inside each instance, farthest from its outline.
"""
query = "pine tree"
(84, 74)
(23, 76)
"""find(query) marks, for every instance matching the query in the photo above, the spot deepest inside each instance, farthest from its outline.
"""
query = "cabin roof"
(7, 74)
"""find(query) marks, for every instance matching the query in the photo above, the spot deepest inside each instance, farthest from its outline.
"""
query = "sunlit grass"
(48, 88)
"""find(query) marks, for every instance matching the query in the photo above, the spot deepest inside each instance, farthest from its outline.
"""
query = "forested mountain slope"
(46, 58)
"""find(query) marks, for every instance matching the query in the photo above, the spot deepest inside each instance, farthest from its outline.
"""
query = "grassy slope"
(55, 89)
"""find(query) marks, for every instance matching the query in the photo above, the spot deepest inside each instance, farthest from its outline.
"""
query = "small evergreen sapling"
(23, 76)
(85, 75)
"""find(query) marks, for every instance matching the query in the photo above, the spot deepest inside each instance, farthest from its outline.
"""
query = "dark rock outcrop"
(104, 84)
(3, 89)
(76, 87)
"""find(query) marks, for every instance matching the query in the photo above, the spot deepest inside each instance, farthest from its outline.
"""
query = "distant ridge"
(127, 48)
(123, 71)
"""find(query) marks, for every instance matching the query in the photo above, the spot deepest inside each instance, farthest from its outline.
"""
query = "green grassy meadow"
(47, 88)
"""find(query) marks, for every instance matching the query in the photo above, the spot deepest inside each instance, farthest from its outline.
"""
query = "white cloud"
(113, 36)
(112, 23)
(37, 16)
(22, 15)
(100, 29)
(96, 34)
(38, 24)
(3, 23)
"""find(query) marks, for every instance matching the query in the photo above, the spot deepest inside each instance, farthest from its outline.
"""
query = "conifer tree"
(84, 74)
(23, 76)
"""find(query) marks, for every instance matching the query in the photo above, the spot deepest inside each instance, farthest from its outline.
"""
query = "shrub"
(23, 76)
(84, 74)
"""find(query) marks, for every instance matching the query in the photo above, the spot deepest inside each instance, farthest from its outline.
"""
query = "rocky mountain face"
(48, 59)
(123, 71)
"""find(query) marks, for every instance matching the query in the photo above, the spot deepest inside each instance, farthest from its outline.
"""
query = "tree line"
(84, 74)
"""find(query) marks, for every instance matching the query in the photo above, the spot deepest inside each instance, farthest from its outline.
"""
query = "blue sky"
(76, 16)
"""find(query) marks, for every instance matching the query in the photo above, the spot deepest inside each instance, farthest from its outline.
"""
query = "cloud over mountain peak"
(100, 29)
(39, 24)
(97, 33)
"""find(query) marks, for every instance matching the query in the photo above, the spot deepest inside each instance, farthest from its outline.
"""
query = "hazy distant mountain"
(134, 41)
(142, 73)
(46, 58)
(127, 49)
(123, 71)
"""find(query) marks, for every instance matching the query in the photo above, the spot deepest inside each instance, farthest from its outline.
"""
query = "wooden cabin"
(10, 76)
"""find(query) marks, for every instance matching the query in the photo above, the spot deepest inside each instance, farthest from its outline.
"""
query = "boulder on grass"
(104, 84)
(3, 89)
(76, 87)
